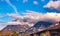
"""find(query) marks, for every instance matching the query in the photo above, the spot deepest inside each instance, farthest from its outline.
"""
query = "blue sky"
(19, 6)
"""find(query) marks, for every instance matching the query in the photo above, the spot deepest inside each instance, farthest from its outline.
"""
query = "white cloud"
(15, 9)
(2, 15)
(1, 21)
(53, 5)
(20, 23)
(15, 16)
(37, 16)
(1, 27)
(31, 17)
(42, 0)
(35, 2)
(24, 1)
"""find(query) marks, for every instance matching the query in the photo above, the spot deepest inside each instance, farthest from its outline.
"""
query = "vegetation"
(1, 33)
(26, 34)
(8, 33)
(35, 35)
(43, 34)
(15, 34)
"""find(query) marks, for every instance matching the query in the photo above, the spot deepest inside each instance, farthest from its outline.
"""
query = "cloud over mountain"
(37, 16)
(32, 17)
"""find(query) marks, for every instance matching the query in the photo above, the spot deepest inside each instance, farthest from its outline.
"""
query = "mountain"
(18, 28)
(39, 26)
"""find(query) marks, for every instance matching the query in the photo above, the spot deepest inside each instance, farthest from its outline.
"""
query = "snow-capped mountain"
(39, 26)
(18, 28)
(27, 26)
(18, 25)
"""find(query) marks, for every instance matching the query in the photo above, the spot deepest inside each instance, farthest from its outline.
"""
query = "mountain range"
(39, 26)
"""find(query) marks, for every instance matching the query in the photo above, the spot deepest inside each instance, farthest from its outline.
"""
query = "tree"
(7, 33)
(43, 34)
(1, 33)
(35, 35)
(26, 34)
(15, 34)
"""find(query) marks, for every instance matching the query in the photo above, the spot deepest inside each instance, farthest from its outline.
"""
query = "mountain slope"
(39, 26)
(18, 28)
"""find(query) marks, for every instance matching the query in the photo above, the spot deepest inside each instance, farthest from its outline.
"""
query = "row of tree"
(7, 33)
(14, 33)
